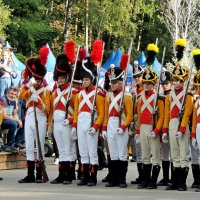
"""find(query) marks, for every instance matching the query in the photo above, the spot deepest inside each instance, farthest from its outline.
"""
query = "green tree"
(30, 28)
(4, 19)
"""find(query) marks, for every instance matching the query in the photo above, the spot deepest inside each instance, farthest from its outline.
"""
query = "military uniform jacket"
(43, 95)
(112, 104)
(173, 102)
(84, 103)
(145, 110)
(59, 101)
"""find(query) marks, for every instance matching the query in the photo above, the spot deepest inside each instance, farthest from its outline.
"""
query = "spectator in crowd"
(10, 115)
(12, 65)
(5, 73)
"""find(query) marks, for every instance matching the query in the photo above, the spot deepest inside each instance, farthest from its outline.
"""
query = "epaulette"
(190, 93)
(161, 97)
(101, 94)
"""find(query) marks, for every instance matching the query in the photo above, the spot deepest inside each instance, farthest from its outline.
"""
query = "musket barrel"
(124, 80)
(71, 83)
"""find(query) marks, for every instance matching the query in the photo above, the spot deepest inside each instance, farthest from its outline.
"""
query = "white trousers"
(150, 146)
(30, 132)
(117, 144)
(179, 147)
(87, 143)
(62, 134)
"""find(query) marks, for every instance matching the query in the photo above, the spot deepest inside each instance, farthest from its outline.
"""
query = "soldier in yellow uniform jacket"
(38, 95)
(115, 133)
(195, 135)
(166, 82)
(88, 129)
(177, 129)
(63, 115)
(148, 130)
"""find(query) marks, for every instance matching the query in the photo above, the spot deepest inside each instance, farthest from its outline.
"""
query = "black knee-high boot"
(165, 168)
(183, 176)
(38, 173)
(68, 176)
(30, 178)
(61, 174)
(93, 175)
(196, 175)
(114, 181)
(86, 175)
(72, 168)
(174, 180)
(155, 173)
(122, 174)
(146, 176)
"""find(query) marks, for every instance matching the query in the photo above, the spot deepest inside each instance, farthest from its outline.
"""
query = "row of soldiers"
(70, 110)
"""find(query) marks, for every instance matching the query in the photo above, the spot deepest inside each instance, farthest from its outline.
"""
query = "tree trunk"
(86, 23)
(67, 19)
(140, 34)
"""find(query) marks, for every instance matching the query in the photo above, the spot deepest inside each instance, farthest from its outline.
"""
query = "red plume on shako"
(89, 64)
(38, 67)
(96, 53)
(43, 55)
(70, 51)
(64, 61)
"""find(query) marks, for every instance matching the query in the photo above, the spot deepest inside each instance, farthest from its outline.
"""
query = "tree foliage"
(30, 28)
(4, 19)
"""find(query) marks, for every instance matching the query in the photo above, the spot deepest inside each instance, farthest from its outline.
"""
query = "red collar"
(118, 91)
(90, 88)
(179, 90)
(149, 93)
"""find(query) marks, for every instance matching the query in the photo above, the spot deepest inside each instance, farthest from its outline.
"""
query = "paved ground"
(10, 189)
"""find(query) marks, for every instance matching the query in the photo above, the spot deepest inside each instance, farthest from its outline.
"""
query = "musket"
(181, 112)
(124, 80)
(71, 84)
(155, 109)
(41, 159)
(96, 88)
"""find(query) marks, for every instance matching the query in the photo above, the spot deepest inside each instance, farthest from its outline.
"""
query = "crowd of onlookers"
(12, 109)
